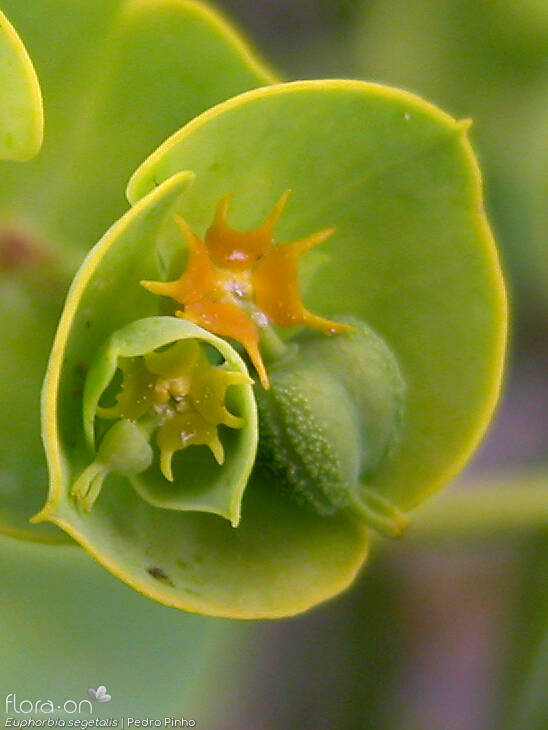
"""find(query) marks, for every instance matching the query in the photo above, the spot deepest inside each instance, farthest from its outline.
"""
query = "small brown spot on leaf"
(161, 575)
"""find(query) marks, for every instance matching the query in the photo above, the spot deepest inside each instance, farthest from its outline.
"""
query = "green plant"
(360, 418)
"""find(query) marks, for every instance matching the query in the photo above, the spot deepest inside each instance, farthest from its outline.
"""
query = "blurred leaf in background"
(526, 685)
(487, 61)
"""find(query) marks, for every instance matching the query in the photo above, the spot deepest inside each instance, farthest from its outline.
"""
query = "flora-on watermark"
(131, 722)
(19, 711)
(15, 706)
(26, 713)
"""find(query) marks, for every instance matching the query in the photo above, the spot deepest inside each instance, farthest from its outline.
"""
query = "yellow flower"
(182, 394)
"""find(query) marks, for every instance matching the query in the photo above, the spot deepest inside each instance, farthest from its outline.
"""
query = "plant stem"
(493, 505)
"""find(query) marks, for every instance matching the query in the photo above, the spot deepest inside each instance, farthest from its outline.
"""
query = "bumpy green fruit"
(308, 430)
(331, 416)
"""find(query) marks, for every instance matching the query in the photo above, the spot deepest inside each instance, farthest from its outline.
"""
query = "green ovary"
(331, 418)
(176, 393)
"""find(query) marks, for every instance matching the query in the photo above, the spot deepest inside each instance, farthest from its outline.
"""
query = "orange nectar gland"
(236, 282)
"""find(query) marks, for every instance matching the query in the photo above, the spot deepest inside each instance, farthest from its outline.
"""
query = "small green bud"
(330, 418)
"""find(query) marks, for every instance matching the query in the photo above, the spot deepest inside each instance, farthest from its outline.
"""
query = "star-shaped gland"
(236, 282)
(179, 392)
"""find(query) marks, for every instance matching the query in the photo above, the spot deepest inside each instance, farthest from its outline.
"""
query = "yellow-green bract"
(412, 257)
(203, 564)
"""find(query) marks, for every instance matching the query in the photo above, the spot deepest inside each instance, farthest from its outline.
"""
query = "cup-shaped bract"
(411, 256)
(179, 397)
(157, 536)
(188, 559)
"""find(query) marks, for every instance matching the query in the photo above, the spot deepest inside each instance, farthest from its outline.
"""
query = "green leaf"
(117, 78)
(21, 115)
(275, 563)
(412, 255)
